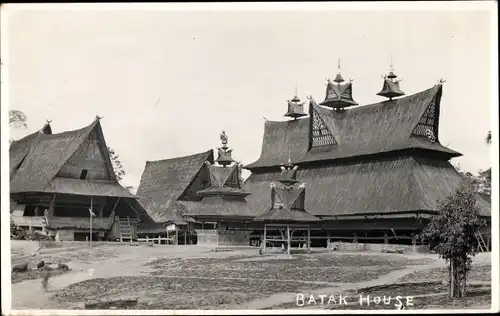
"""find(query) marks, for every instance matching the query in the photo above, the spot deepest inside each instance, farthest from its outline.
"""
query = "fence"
(158, 240)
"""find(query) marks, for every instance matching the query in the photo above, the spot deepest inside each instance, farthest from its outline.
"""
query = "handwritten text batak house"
(56, 180)
(373, 173)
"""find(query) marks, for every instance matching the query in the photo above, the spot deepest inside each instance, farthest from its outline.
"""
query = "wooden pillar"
(91, 206)
(414, 242)
(327, 239)
(264, 241)
(177, 234)
(288, 239)
(308, 239)
(185, 236)
(386, 239)
(51, 207)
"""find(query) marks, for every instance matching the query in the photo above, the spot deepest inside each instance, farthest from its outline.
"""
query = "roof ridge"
(180, 157)
(80, 138)
(381, 103)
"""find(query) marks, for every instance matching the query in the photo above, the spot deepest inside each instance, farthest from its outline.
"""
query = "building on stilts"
(375, 174)
(64, 186)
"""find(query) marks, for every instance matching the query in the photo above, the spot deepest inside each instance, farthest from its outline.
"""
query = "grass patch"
(311, 268)
(478, 273)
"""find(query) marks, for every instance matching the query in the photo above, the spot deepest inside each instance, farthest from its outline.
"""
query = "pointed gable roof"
(164, 181)
(390, 89)
(338, 95)
(224, 197)
(47, 153)
(364, 130)
(290, 206)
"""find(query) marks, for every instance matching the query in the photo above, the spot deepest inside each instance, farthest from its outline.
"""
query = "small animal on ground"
(63, 266)
(22, 267)
(40, 265)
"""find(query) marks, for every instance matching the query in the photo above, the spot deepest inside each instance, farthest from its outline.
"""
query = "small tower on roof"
(338, 95)
(295, 107)
(391, 89)
(288, 176)
(224, 159)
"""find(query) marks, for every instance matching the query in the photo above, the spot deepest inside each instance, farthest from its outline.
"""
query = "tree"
(17, 119)
(484, 182)
(452, 234)
(117, 164)
(485, 175)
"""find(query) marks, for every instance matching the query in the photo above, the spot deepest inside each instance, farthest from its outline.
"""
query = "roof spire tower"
(391, 89)
(295, 107)
(225, 159)
(339, 95)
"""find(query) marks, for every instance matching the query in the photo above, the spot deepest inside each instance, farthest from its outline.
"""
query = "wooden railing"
(64, 222)
(33, 221)
(157, 240)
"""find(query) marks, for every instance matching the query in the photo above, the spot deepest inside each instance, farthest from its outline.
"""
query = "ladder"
(481, 245)
(125, 229)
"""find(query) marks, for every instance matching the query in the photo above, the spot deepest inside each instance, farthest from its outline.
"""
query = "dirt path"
(30, 295)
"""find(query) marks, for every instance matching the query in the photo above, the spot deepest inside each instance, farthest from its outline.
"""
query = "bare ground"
(194, 277)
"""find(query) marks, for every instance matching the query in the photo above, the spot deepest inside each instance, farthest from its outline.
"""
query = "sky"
(168, 82)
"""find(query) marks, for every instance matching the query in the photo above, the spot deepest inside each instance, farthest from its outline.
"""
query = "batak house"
(374, 173)
(58, 180)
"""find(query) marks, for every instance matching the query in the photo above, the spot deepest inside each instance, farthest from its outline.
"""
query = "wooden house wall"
(90, 157)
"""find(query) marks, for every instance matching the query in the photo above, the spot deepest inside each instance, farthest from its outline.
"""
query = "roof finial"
(48, 121)
(223, 138)
(338, 79)
(97, 117)
(391, 68)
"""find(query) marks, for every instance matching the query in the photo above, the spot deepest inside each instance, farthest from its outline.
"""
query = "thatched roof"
(37, 158)
(360, 131)
(224, 197)
(164, 181)
(20, 148)
(377, 187)
(291, 208)
(223, 206)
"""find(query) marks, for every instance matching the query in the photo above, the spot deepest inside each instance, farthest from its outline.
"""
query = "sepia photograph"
(249, 158)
